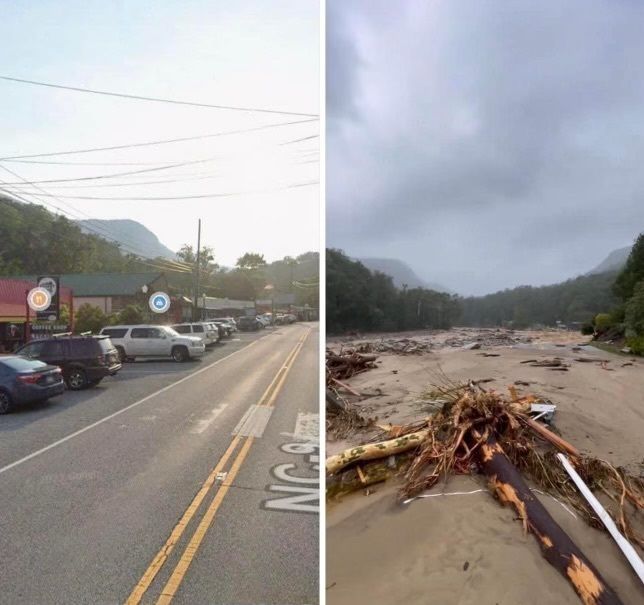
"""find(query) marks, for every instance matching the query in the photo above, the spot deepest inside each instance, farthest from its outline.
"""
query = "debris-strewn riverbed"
(466, 548)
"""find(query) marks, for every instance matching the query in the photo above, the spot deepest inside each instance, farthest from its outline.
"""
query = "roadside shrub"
(89, 319)
(587, 329)
(618, 314)
(603, 321)
(130, 315)
(636, 345)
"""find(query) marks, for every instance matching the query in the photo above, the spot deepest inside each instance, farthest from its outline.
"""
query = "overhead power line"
(119, 241)
(51, 162)
(140, 258)
(128, 184)
(159, 142)
(115, 174)
(313, 136)
(156, 99)
(177, 198)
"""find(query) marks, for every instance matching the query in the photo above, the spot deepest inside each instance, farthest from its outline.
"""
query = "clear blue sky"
(248, 53)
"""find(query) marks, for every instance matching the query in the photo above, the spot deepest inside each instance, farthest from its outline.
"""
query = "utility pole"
(195, 308)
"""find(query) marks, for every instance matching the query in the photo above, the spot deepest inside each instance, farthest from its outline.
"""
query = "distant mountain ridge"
(400, 272)
(132, 235)
(613, 262)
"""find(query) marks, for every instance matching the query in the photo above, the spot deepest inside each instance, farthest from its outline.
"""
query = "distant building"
(13, 310)
(210, 306)
(110, 292)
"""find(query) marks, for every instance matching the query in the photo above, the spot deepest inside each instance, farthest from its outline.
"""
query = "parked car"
(263, 320)
(221, 329)
(289, 318)
(24, 380)
(153, 341)
(202, 330)
(225, 325)
(230, 321)
(248, 324)
(84, 360)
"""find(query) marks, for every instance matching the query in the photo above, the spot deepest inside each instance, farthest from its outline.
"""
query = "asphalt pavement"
(170, 483)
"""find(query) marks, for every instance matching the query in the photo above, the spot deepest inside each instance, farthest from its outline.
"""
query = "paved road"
(144, 492)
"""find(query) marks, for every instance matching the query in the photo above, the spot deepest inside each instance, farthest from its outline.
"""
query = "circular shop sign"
(159, 302)
(48, 284)
(38, 299)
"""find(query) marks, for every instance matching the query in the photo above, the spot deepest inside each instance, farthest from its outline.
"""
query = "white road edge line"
(4, 469)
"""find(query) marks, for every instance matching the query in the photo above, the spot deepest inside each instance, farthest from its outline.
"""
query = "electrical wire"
(177, 198)
(103, 235)
(313, 136)
(154, 99)
(15, 158)
(115, 174)
(130, 184)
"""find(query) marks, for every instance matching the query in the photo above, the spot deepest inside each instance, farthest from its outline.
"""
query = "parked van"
(153, 341)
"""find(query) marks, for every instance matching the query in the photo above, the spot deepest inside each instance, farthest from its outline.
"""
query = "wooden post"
(27, 324)
(71, 311)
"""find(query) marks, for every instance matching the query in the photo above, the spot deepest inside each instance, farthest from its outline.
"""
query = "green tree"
(359, 299)
(251, 260)
(90, 319)
(207, 265)
(633, 271)
(634, 312)
(131, 314)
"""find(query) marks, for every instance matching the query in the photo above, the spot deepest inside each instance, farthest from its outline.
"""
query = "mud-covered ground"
(466, 548)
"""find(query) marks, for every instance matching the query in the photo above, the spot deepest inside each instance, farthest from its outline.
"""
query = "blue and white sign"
(159, 302)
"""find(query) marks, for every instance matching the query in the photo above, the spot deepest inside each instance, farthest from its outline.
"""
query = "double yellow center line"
(172, 585)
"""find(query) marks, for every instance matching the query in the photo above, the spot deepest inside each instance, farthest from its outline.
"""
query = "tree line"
(572, 301)
(364, 300)
(35, 241)
(625, 320)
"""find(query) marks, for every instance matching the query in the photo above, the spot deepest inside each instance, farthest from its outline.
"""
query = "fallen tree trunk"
(558, 549)
(373, 451)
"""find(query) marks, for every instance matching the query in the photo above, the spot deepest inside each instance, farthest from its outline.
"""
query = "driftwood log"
(558, 549)
(373, 451)
(365, 475)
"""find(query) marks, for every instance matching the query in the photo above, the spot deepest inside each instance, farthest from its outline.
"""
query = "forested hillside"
(575, 300)
(33, 240)
(359, 299)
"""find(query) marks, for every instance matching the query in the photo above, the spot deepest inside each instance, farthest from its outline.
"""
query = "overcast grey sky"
(487, 144)
(248, 53)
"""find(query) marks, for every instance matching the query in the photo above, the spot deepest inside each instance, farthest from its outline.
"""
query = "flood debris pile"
(555, 363)
(342, 416)
(347, 363)
(487, 338)
(397, 346)
(486, 432)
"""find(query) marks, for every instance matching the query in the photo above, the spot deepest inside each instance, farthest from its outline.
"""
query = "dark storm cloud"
(486, 144)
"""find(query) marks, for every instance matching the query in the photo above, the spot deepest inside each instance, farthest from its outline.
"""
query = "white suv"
(202, 330)
(153, 341)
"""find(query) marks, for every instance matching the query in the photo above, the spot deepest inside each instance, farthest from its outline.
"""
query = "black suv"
(84, 360)
(247, 323)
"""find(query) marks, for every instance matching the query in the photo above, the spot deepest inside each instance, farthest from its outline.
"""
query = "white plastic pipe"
(625, 546)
